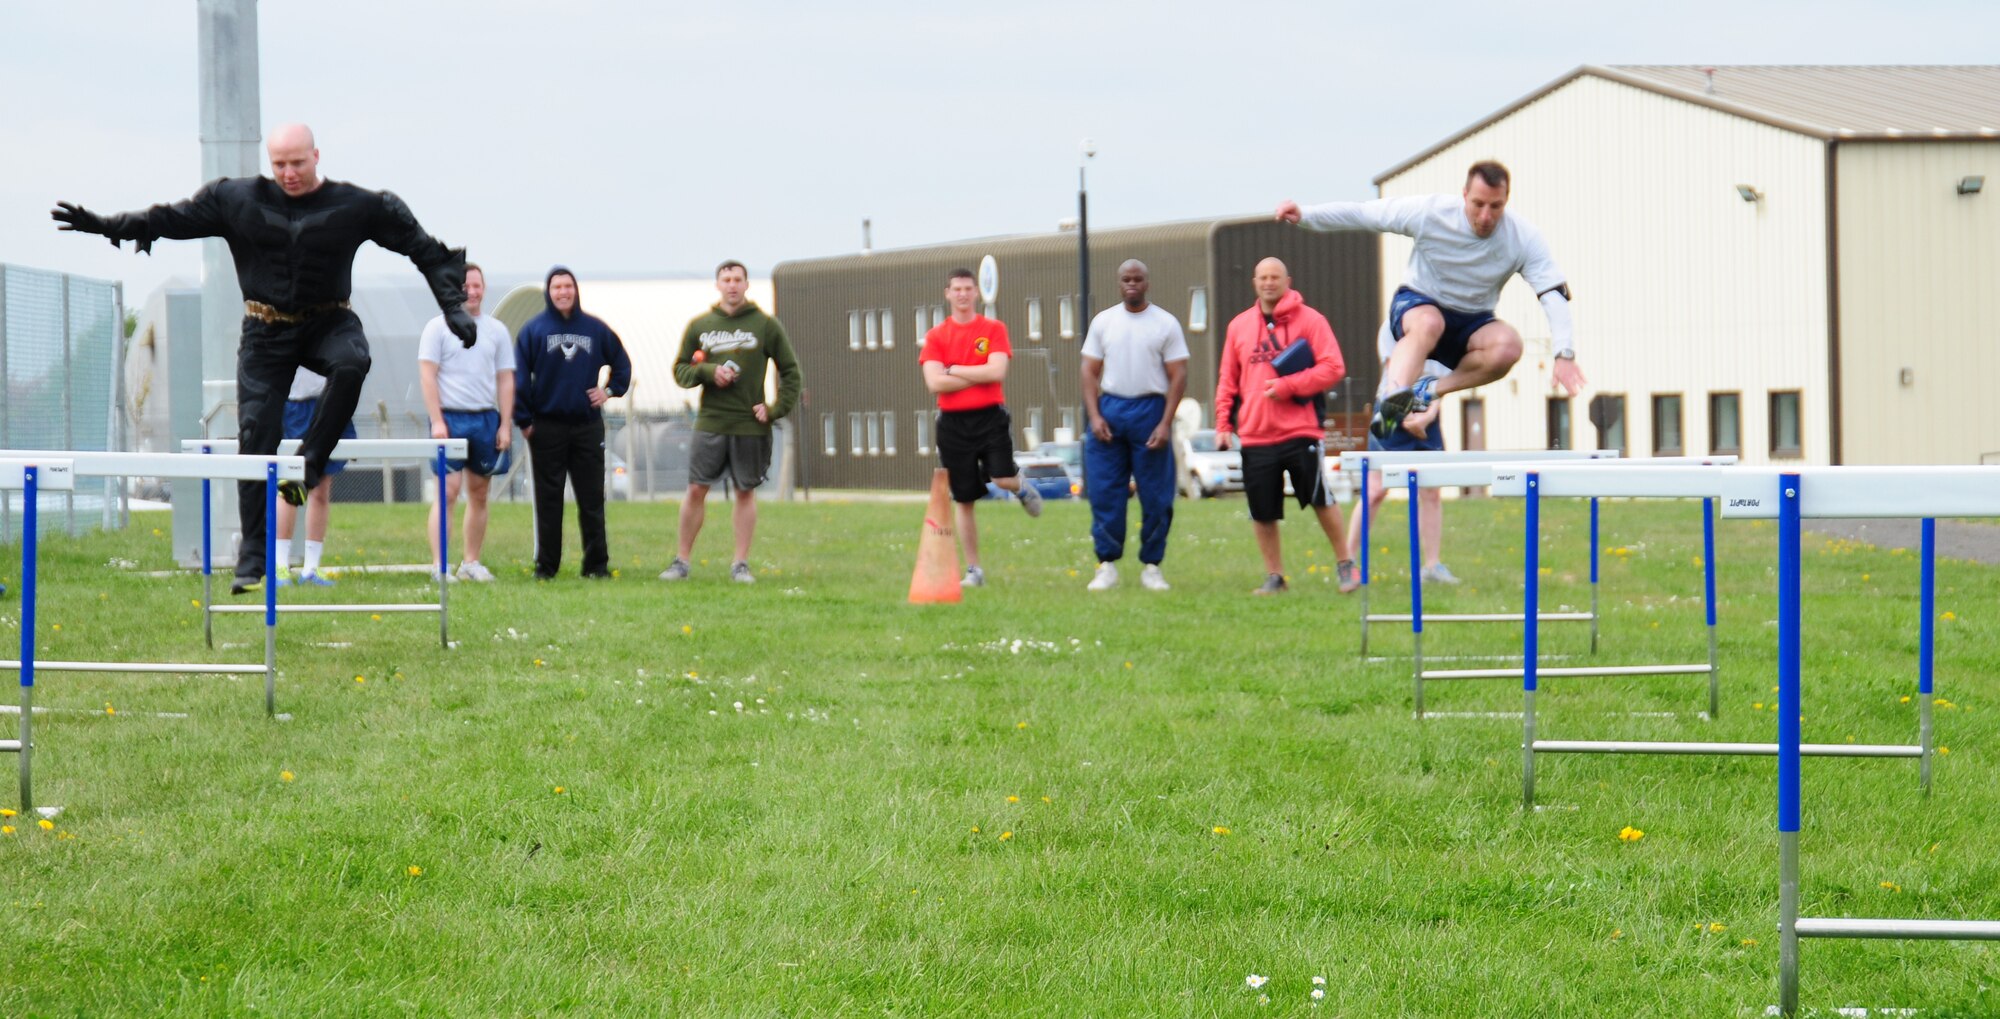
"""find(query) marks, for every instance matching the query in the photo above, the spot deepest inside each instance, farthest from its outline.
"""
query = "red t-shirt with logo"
(968, 343)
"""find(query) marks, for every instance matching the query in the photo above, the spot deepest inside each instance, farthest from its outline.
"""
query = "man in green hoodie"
(726, 351)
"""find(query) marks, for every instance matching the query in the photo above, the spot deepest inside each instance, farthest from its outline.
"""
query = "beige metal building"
(1791, 263)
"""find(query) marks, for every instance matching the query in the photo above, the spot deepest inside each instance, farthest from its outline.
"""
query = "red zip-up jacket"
(1247, 350)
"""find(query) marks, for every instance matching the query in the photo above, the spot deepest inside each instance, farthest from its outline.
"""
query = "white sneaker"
(974, 577)
(1106, 578)
(1152, 579)
(476, 571)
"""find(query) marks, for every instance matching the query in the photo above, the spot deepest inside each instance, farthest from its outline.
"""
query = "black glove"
(463, 326)
(81, 220)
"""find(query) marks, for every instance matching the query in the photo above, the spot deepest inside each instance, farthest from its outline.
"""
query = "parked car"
(1045, 473)
(1071, 455)
(1205, 471)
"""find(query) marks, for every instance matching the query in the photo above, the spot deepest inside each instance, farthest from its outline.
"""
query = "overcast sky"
(635, 137)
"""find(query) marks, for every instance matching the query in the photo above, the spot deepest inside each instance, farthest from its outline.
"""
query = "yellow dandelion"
(286, 776)
(1020, 725)
(1905, 699)
(1047, 800)
(1128, 665)
(55, 626)
(361, 679)
(1630, 834)
(1072, 573)
(6, 829)
(1717, 928)
(975, 829)
(374, 617)
(1013, 799)
(1944, 750)
(538, 661)
(1616, 934)
(7, 812)
(156, 532)
(685, 629)
(1219, 830)
(1864, 578)
(415, 871)
(1749, 941)
(1892, 886)
(196, 602)
(1005, 835)
(1949, 616)
(1759, 705)
(109, 710)
(46, 825)
(560, 790)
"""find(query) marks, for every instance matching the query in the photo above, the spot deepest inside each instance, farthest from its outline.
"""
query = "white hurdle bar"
(1922, 492)
(268, 469)
(436, 451)
(1364, 462)
(30, 477)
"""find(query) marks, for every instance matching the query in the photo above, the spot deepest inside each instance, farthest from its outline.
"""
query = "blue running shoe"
(312, 580)
(1401, 404)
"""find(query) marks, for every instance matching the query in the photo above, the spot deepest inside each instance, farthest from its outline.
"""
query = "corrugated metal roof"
(1833, 102)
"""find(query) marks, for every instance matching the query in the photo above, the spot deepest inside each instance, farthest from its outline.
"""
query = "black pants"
(572, 450)
(268, 357)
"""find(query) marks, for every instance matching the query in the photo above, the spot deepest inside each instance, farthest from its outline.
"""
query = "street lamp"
(1083, 234)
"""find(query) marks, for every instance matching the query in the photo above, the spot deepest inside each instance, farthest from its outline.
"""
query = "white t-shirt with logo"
(1135, 349)
(466, 377)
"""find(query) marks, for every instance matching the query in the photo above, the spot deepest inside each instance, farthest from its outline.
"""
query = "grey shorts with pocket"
(744, 458)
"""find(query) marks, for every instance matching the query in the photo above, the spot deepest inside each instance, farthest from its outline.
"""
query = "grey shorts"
(744, 458)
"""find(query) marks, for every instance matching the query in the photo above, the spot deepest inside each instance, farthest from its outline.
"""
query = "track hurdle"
(1923, 492)
(30, 477)
(1507, 480)
(1740, 493)
(436, 451)
(1367, 461)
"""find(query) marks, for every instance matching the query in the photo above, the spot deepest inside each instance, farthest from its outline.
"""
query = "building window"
(1607, 413)
(1667, 424)
(832, 431)
(1069, 422)
(1197, 309)
(888, 329)
(1725, 423)
(937, 315)
(1034, 318)
(872, 329)
(1558, 419)
(854, 330)
(874, 434)
(923, 325)
(889, 433)
(1066, 317)
(856, 433)
(1786, 439)
(923, 431)
(1034, 425)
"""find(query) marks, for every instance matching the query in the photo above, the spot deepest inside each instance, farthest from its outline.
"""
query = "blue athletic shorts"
(480, 429)
(299, 414)
(1458, 325)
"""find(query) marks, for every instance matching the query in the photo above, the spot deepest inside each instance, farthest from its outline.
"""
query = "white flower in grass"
(1255, 981)
(1319, 981)
(1318, 993)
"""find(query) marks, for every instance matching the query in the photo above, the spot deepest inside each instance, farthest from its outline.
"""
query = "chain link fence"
(62, 340)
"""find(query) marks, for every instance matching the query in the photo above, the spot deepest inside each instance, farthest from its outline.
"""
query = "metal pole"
(1708, 602)
(207, 563)
(1788, 744)
(117, 510)
(271, 588)
(6, 498)
(28, 552)
(1082, 249)
(444, 549)
(1593, 574)
(1416, 598)
(1364, 556)
(68, 411)
(1531, 633)
(1927, 652)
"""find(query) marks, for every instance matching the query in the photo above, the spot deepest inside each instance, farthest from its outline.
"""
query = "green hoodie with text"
(750, 340)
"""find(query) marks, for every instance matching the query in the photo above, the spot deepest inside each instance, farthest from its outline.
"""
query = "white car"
(1205, 471)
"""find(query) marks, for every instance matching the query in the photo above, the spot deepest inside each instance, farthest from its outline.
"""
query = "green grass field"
(807, 798)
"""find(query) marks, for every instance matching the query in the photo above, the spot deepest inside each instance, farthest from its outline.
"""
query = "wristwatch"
(1565, 355)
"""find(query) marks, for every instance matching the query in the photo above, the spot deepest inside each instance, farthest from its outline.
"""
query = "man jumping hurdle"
(293, 236)
(1466, 249)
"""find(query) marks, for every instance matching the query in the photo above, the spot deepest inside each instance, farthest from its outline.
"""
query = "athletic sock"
(313, 550)
(289, 547)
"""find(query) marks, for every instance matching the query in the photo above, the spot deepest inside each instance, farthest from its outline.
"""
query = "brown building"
(858, 320)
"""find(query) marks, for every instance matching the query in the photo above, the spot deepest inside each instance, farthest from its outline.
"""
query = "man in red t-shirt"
(964, 361)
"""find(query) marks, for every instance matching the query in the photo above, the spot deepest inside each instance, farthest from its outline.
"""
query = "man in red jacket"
(1272, 413)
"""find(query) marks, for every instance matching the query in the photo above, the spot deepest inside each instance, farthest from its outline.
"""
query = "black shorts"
(1264, 470)
(1459, 326)
(975, 446)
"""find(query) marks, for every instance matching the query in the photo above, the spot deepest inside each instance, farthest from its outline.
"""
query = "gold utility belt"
(265, 313)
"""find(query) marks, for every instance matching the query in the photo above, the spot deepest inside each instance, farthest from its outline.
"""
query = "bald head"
(1271, 281)
(294, 159)
(1133, 282)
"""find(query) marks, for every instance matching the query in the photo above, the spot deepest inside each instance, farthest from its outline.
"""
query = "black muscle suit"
(295, 262)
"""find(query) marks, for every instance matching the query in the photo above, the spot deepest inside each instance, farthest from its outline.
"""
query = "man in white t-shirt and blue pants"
(1466, 250)
(469, 392)
(1134, 374)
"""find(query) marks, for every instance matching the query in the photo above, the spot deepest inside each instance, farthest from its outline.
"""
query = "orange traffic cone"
(936, 577)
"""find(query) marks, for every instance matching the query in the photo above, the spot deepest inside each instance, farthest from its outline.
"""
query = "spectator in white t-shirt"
(1134, 374)
(300, 404)
(469, 392)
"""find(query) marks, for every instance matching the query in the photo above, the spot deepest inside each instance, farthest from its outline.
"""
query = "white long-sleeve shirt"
(1449, 262)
